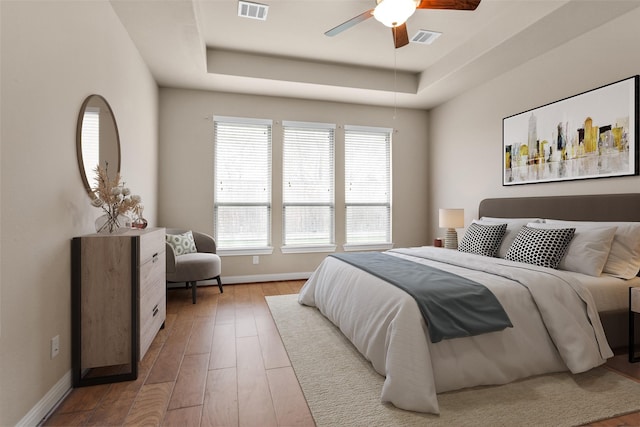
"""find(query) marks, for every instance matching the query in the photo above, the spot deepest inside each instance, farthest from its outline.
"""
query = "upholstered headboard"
(599, 207)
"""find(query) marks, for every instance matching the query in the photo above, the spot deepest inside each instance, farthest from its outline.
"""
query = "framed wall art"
(590, 135)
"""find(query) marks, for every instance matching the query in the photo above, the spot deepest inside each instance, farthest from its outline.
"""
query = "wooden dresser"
(118, 302)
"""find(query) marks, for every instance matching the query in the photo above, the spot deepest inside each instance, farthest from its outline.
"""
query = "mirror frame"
(81, 169)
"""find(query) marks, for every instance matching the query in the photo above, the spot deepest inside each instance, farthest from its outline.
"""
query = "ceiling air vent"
(252, 10)
(425, 36)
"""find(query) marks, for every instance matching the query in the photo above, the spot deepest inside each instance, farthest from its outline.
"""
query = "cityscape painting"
(590, 135)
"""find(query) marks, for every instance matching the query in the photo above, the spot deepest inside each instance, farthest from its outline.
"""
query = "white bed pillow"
(624, 257)
(513, 226)
(589, 249)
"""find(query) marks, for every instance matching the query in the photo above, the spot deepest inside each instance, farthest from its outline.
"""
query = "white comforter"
(555, 326)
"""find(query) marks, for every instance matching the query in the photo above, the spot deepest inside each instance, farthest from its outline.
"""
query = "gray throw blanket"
(452, 306)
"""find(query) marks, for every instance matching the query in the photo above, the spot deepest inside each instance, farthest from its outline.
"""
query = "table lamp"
(451, 219)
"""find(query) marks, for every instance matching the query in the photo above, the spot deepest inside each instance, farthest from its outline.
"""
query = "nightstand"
(634, 308)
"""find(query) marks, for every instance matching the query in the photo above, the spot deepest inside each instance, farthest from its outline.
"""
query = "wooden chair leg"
(193, 291)
(219, 283)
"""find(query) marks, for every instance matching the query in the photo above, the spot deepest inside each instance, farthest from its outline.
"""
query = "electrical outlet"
(55, 346)
(256, 259)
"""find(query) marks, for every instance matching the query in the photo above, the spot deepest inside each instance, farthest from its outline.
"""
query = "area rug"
(342, 389)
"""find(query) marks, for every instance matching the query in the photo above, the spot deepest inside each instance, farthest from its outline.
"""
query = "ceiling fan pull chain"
(395, 83)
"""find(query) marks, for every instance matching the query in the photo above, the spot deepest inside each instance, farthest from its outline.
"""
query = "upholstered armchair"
(192, 260)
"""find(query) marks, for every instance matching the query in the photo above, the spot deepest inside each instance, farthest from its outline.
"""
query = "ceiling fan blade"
(449, 4)
(350, 23)
(400, 35)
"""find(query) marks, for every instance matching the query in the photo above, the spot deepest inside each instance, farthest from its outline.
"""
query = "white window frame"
(308, 247)
(373, 245)
(247, 250)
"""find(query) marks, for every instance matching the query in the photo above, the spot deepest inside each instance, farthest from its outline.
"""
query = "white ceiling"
(203, 44)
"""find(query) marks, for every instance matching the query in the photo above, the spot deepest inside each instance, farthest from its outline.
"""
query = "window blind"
(90, 135)
(367, 185)
(308, 184)
(242, 190)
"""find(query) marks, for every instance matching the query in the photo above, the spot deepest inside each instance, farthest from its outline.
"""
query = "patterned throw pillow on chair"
(182, 243)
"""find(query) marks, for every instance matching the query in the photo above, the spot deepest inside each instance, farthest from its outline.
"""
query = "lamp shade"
(451, 218)
(394, 12)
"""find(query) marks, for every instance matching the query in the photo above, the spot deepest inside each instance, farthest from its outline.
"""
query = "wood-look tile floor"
(220, 362)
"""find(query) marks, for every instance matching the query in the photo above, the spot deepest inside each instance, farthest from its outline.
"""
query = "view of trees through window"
(308, 184)
(242, 175)
(367, 157)
(244, 184)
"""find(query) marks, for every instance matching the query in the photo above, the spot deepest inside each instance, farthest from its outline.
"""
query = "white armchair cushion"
(196, 267)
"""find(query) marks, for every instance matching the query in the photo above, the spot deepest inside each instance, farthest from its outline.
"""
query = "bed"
(555, 314)
(599, 207)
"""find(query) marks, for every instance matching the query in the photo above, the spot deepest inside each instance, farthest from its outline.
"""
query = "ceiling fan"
(394, 14)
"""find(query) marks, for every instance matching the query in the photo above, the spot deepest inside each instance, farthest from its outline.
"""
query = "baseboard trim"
(232, 280)
(48, 403)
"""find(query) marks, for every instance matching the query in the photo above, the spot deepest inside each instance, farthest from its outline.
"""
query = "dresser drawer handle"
(155, 310)
(155, 257)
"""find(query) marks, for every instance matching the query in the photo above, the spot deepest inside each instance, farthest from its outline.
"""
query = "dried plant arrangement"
(113, 197)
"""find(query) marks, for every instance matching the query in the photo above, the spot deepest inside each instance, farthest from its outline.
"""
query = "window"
(308, 187)
(242, 190)
(90, 141)
(367, 156)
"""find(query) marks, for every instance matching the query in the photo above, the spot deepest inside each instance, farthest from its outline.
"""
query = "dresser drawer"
(153, 312)
(151, 242)
(153, 273)
(150, 326)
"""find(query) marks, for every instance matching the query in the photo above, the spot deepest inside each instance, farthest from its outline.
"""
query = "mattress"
(609, 293)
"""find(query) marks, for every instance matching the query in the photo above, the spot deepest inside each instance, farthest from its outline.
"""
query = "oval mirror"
(97, 140)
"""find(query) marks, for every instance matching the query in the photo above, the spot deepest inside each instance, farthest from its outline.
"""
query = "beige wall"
(466, 133)
(54, 54)
(186, 164)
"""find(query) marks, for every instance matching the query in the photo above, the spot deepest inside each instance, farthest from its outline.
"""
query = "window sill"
(307, 249)
(368, 247)
(245, 251)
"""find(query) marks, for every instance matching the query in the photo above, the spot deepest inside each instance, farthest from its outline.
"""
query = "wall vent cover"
(251, 10)
(425, 36)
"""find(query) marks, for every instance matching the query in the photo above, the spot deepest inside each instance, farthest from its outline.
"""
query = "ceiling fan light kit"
(393, 13)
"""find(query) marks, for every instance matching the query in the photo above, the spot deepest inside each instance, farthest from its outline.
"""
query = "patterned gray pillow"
(543, 247)
(182, 243)
(482, 239)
